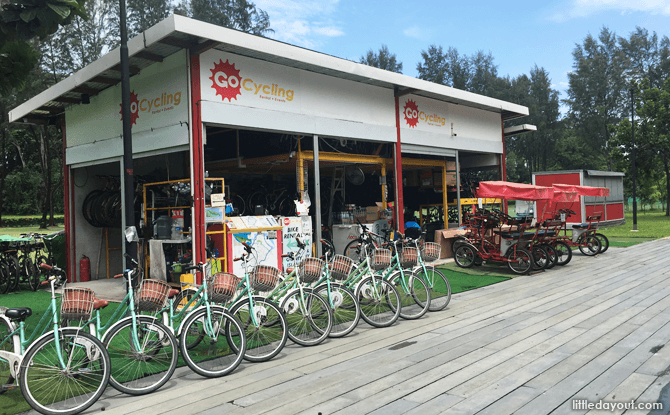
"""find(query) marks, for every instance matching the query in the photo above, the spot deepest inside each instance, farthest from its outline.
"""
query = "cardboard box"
(371, 213)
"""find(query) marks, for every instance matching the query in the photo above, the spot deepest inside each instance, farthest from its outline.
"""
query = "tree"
(383, 59)
(234, 14)
(434, 67)
(20, 22)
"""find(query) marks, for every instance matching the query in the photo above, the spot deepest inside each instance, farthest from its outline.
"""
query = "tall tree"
(234, 14)
(434, 67)
(383, 59)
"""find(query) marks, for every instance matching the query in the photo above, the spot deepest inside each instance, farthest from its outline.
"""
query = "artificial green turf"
(492, 269)
(461, 281)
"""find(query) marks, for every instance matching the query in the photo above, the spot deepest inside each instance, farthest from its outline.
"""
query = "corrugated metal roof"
(178, 32)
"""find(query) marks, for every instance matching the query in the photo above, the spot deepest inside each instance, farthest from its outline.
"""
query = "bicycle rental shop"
(229, 130)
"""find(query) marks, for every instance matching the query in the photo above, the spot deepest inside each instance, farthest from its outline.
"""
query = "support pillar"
(400, 217)
(197, 167)
(317, 197)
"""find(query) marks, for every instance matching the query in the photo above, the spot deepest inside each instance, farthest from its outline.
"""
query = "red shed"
(610, 207)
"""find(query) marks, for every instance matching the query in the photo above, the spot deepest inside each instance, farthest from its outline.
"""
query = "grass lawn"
(29, 229)
(650, 224)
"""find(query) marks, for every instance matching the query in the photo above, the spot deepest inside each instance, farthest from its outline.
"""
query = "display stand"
(261, 232)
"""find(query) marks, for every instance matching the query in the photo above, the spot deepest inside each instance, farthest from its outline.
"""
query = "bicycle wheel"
(179, 301)
(552, 255)
(308, 316)
(592, 245)
(32, 273)
(345, 308)
(212, 356)
(6, 345)
(604, 242)
(14, 272)
(458, 241)
(379, 300)
(414, 294)
(465, 256)
(266, 339)
(49, 388)
(563, 252)
(440, 290)
(5, 281)
(521, 260)
(540, 257)
(141, 371)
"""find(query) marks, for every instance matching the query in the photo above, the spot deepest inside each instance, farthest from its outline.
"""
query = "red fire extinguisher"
(85, 268)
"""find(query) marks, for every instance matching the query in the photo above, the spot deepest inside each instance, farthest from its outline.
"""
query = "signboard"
(296, 227)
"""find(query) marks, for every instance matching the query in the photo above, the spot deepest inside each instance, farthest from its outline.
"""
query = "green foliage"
(16, 60)
(383, 59)
(234, 14)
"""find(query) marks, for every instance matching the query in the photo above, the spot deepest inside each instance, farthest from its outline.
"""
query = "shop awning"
(584, 190)
(514, 191)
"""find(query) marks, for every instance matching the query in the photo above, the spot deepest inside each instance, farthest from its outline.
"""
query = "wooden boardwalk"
(594, 329)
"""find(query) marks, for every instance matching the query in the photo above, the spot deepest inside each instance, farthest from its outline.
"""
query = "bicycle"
(265, 325)
(9, 267)
(212, 341)
(308, 315)
(366, 239)
(44, 253)
(61, 371)
(142, 350)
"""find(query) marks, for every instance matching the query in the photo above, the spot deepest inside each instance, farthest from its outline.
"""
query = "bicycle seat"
(290, 270)
(172, 292)
(580, 226)
(508, 235)
(19, 313)
(99, 304)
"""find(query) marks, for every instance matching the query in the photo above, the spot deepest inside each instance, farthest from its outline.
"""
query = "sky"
(519, 34)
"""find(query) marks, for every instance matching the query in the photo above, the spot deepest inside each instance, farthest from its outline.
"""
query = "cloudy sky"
(519, 34)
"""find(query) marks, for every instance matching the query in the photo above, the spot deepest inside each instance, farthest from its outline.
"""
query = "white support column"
(458, 190)
(317, 197)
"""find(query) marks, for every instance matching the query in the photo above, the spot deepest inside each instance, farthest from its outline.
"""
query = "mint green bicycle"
(62, 370)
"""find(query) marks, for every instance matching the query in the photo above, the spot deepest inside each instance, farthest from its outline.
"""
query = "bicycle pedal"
(5, 388)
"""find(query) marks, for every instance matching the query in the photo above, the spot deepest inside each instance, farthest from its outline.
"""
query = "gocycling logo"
(228, 83)
(164, 102)
(411, 112)
(413, 115)
(226, 80)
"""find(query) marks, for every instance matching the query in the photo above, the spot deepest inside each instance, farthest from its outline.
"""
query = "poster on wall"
(296, 227)
(264, 253)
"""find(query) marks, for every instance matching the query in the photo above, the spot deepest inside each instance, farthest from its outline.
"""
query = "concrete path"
(594, 330)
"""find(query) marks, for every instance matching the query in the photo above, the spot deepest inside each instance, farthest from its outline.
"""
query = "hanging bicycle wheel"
(51, 389)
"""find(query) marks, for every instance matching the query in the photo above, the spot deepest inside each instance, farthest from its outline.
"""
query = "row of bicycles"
(19, 258)
(525, 244)
(69, 358)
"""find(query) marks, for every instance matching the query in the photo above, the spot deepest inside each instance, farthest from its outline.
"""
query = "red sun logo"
(411, 112)
(134, 109)
(226, 80)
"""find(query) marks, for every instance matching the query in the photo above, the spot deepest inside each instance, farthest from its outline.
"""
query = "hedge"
(27, 221)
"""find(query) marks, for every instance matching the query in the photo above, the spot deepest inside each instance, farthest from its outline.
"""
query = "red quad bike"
(494, 238)
(581, 233)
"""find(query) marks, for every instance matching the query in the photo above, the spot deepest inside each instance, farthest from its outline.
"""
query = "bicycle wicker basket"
(380, 259)
(264, 278)
(409, 257)
(431, 251)
(151, 295)
(341, 267)
(310, 270)
(77, 303)
(222, 287)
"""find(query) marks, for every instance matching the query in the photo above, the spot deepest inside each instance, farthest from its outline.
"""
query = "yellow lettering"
(168, 99)
(157, 102)
(266, 89)
(244, 84)
(289, 95)
(143, 105)
(177, 98)
(258, 88)
(281, 92)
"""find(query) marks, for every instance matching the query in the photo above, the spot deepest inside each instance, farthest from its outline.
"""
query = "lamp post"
(632, 134)
(128, 180)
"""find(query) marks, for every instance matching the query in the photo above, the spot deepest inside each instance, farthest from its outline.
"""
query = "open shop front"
(215, 100)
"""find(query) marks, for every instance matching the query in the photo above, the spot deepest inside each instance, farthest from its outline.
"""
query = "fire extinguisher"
(85, 268)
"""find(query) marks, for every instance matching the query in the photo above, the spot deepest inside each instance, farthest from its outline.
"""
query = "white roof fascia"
(269, 46)
(517, 129)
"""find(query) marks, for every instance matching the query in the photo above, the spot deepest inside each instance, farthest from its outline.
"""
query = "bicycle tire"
(415, 299)
(14, 272)
(604, 242)
(212, 357)
(186, 294)
(5, 280)
(465, 256)
(552, 255)
(540, 257)
(379, 301)
(563, 252)
(33, 274)
(6, 345)
(592, 243)
(89, 369)
(138, 372)
(440, 289)
(458, 241)
(309, 319)
(269, 338)
(521, 261)
(346, 309)
(87, 205)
